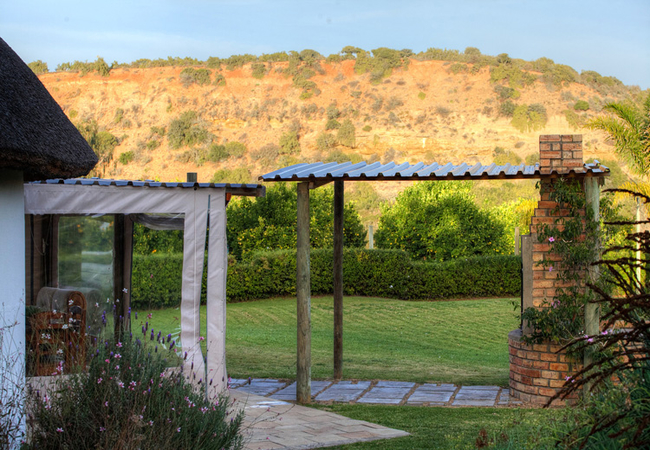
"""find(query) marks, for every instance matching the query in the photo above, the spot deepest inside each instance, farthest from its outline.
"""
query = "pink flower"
(551, 239)
(106, 404)
(550, 269)
(118, 345)
(99, 380)
(178, 430)
(59, 430)
(102, 429)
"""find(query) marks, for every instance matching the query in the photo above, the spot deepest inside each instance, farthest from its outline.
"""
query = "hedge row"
(379, 273)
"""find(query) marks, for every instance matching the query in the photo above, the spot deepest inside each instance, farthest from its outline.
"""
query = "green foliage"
(516, 77)
(289, 143)
(506, 93)
(219, 80)
(235, 61)
(258, 70)
(191, 75)
(528, 118)
(440, 221)
(126, 157)
(562, 317)
(381, 273)
(270, 222)
(83, 68)
(346, 135)
(627, 125)
(573, 119)
(119, 115)
(507, 108)
(380, 64)
(325, 141)
(38, 67)
(240, 175)
(422, 95)
(581, 105)
(503, 157)
(332, 124)
(217, 153)
(102, 142)
(127, 400)
(457, 68)
(235, 149)
(186, 131)
(332, 112)
(367, 128)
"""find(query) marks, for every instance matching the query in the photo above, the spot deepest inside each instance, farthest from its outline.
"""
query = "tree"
(628, 126)
(440, 221)
(269, 223)
(347, 134)
(38, 67)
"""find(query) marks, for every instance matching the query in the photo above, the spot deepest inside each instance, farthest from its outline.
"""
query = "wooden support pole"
(338, 279)
(517, 241)
(592, 310)
(303, 292)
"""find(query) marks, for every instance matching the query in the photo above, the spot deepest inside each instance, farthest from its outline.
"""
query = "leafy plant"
(38, 67)
(186, 131)
(439, 221)
(289, 143)
(128, 399)
(346, 135)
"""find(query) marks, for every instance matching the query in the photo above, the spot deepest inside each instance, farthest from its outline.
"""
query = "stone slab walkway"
(382, 392)
(276, 424)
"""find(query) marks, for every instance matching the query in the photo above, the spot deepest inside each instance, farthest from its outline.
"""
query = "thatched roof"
(35, 134)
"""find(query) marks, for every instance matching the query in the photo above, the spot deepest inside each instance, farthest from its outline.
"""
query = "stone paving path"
(381, 392)
(276, 424)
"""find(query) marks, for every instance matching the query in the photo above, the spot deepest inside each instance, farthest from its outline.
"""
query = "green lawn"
(462, 342)
(434, 428)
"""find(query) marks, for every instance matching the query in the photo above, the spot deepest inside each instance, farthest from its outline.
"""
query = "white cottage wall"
(12, 304)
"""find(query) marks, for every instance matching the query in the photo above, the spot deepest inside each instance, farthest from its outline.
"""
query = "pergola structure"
(314, 175)
(192, 207)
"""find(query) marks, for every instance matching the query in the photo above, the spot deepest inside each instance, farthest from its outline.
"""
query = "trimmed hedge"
(377, 273)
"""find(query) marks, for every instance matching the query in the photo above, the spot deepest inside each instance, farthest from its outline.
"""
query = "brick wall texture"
(537, 372)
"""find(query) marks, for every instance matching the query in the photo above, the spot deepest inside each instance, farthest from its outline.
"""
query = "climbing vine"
(574, 243)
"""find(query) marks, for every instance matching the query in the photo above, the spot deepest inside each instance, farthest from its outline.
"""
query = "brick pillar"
(558, 154)
(537, 372)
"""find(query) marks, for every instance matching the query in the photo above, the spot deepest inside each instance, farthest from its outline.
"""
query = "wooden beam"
(303, 293)
(338, 278)
(592, 310)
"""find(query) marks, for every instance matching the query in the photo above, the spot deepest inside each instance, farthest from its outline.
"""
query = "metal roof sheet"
(256, 190)
(392, 171)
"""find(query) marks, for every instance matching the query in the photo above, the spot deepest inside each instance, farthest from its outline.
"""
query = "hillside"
(233, 125)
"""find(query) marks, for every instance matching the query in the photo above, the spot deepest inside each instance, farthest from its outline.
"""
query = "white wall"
(12, 280)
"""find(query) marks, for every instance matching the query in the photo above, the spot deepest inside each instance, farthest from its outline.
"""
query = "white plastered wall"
(195, 204)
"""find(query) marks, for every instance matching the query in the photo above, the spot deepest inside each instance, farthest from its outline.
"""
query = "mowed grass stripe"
(462, 342)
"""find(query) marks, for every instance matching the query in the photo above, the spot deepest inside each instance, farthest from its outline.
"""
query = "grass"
(463, 342)
(434, 428)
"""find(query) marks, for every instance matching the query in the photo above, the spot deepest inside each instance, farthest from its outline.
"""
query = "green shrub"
(190, 75)
(457, 68)
(507, 108)
(217, 153)
(346, 135)
(289, 143)
(259, 70)
(367, 128)
(380, 273)
(126, 400)
(581, 105)
(439, 221)
(38, 67)
(332, 124)
(529, 117)
(220, 80)
(186, 130)
(235, 149)
(325, 141)
(126, 157)
(240, 175)
(422, 95)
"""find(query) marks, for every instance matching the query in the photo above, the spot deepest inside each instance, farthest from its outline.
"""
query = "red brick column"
(537, 372)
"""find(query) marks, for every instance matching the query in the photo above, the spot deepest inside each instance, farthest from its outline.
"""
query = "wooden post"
(371, 238)
(592, 310)
(303, 293)
(338, 279)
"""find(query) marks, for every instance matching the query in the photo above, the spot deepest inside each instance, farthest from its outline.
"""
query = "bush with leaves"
(128, 399)
(440, 221)
(38, 67)
(186, 131)
(289, 143)
(191, 75)
(526, 118)
(270, 222)
(346, 134)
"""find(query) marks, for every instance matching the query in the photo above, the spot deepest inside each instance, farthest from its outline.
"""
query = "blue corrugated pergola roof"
(392, 171)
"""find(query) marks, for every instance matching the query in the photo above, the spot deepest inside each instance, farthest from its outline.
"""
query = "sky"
(611, 37)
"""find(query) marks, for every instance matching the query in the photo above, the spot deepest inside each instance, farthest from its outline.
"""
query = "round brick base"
(537, 372)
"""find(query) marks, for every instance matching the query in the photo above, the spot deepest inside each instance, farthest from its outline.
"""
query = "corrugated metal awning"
(253, 190)
(348, 171)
